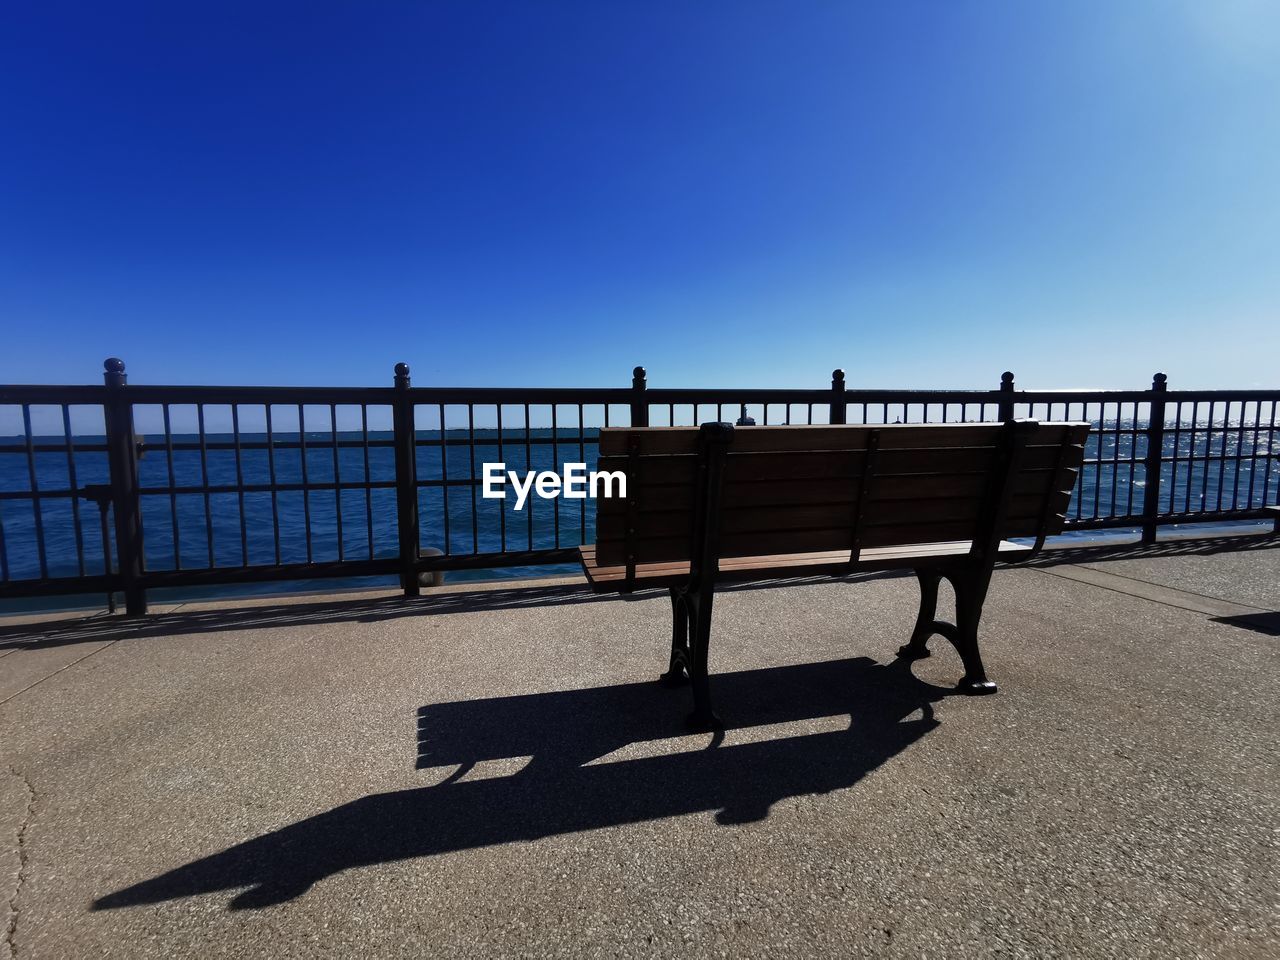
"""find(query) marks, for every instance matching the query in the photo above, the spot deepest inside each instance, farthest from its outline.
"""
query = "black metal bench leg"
(971, 591)
(917, 648)
(678, 669)
(703, 717)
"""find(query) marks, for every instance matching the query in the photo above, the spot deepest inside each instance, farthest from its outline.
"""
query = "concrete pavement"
(492, 772)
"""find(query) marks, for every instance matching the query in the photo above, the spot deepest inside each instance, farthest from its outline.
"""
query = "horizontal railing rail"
(125, 488)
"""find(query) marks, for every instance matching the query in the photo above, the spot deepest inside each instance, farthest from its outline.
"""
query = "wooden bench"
(713, 504)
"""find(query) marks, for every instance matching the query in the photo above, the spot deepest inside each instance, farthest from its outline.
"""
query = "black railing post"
(122, 463)
(1006, 397)
(402, 425)
(837, 397)
(639, 405)
(1155, 458)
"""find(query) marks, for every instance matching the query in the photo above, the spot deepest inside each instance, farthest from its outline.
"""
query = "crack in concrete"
(105, 645)
(12, 926)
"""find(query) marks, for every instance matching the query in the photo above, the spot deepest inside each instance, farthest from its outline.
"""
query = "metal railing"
(223, 485)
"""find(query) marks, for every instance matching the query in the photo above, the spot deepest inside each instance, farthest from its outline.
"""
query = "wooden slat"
(676, 546)
(657, 470)
(653, 440)
(893, 436)
(758, 467)
(675, 496)
(801, 492)
(663, 520)
(607, 576)
(951, 486)
(957, 460)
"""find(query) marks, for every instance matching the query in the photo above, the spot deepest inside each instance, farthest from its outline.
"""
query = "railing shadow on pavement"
(1062, 553)
(245, 616)
(560, 790)
(340, 609)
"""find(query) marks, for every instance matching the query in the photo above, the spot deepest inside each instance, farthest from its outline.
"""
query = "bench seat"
(606, 579)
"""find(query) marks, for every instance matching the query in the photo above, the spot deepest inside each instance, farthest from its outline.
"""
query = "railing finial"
(837, 414)
(1158, 382)
(639, 406)
(402, 374)
(113, 372)
(1005, 411)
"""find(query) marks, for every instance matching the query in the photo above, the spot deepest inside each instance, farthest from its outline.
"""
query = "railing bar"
(4, 551)
(444, 490)
(1191, 458)
(204, 481)
(1253, 451)
(36, 510)
(271, 471)
(1271, 456)
(1133, 454)
(306, 480)
(582, 458)
(1222, 459)
(475, 521)
(1239, 448)
(75, 487)
(53, 447)
(1097, 469)
(528, 465)
(244, 527)
(337, 480)
(502, 504)
(368, 478)
(1226, 436)
(179, 445)
(231, 488)
(1208, 446)
(1079, 501)
(555, 461)
(1115, 463)
(1177, 450)
(173, 482)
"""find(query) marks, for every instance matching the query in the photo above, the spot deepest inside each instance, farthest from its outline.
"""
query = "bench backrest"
(802, 489)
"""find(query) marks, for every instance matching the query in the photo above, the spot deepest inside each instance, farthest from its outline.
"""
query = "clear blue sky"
(549, 193)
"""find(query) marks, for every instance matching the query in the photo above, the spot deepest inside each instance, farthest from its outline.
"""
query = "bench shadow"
(770, 750)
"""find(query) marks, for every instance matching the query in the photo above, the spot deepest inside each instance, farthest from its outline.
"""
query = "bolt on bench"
(712, 505)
